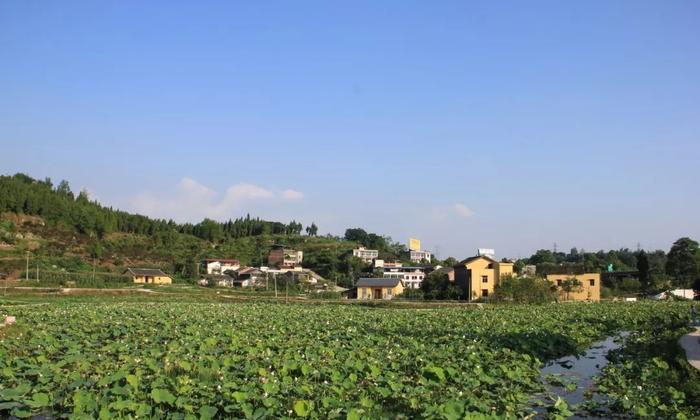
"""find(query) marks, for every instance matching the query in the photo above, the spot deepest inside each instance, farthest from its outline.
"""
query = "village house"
(379, 288)
(221, 265)
(223, 280)
(478, 276)
(377, 263)
(366, 255)
(148, 276)
(283, 257)
(588, 290)
(412, 277)
(418, 256)
(254, 276)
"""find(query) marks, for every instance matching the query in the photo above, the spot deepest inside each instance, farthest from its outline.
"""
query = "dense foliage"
(265, 360)
(525, 290)
(437, 286)
(77, 226)
(650, 376)
(23, 194)
(388, 249)
(652, 271)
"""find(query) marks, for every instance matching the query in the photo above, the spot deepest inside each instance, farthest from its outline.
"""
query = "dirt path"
(691, 345)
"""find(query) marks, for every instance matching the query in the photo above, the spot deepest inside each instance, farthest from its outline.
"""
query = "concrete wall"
(366, 255)
(478, 278)
(153, 280)
(411, 279)
(217, 267)
(367, 293)
(586, 292)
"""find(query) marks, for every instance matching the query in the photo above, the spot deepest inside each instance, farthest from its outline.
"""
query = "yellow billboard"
(414, 244)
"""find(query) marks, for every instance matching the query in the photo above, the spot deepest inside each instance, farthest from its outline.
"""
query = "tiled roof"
(150, 272)
(378, 282)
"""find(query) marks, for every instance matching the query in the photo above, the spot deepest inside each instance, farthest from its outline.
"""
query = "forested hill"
(62, 231)
(23, 194)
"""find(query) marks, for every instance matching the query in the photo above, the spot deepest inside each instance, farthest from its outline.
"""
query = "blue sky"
(507, 125)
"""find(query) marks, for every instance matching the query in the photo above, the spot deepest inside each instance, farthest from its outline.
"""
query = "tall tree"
(356, 235)
(643, 268)
(312, 230)
(64, 188)
(683, 262)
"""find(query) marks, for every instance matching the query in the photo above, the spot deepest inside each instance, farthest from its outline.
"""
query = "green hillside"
(61, 232)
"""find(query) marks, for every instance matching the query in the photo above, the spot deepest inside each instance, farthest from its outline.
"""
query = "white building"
(486, 252)
(412, 276)
(377, 263)
(283, 257)
(366, 255)
(221, 265)
(418, 256)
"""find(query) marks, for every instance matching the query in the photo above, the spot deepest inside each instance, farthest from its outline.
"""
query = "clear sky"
(508, 125)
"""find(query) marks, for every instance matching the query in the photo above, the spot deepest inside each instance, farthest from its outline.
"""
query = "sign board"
(486, 252)
(414, 244)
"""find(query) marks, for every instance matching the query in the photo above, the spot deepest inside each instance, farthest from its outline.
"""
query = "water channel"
(579, 371)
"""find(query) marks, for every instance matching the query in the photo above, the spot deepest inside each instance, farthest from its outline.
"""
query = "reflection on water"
(571, 377)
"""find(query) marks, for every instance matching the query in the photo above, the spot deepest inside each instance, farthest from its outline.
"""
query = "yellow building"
(379, 288)
(478, 276)
(589, 289)
(148, 276)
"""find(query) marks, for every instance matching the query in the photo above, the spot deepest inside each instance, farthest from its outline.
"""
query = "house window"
(484, 279)
(592, 282)
(558, 282)
(484, 292)
(364, 294)
(388, 292)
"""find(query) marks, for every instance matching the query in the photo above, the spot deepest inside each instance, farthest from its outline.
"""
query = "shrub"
(524, 290)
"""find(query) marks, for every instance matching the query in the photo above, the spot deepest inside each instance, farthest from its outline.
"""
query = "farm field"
(109, 358)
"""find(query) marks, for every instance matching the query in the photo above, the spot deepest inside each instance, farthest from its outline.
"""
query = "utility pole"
(275, 277)
(26, 272)
(37, 271)
(555, 247)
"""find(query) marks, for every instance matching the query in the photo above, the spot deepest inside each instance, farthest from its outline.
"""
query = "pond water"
(579, 371)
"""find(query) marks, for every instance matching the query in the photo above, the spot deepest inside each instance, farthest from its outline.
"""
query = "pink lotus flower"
(9, 320)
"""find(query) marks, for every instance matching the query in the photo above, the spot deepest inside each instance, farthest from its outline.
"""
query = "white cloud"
(463, 210)
(193, 201)
(292, 195)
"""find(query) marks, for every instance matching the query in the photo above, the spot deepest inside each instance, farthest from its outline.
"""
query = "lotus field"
(267, 360)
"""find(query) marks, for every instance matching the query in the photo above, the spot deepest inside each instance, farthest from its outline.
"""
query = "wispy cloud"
(463, 211)
(292, 195)
(193, 201)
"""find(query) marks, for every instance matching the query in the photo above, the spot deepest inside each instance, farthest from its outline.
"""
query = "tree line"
(23, 194)
(649, 271)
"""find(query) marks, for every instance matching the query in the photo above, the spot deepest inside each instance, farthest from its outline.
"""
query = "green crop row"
(253, 360)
